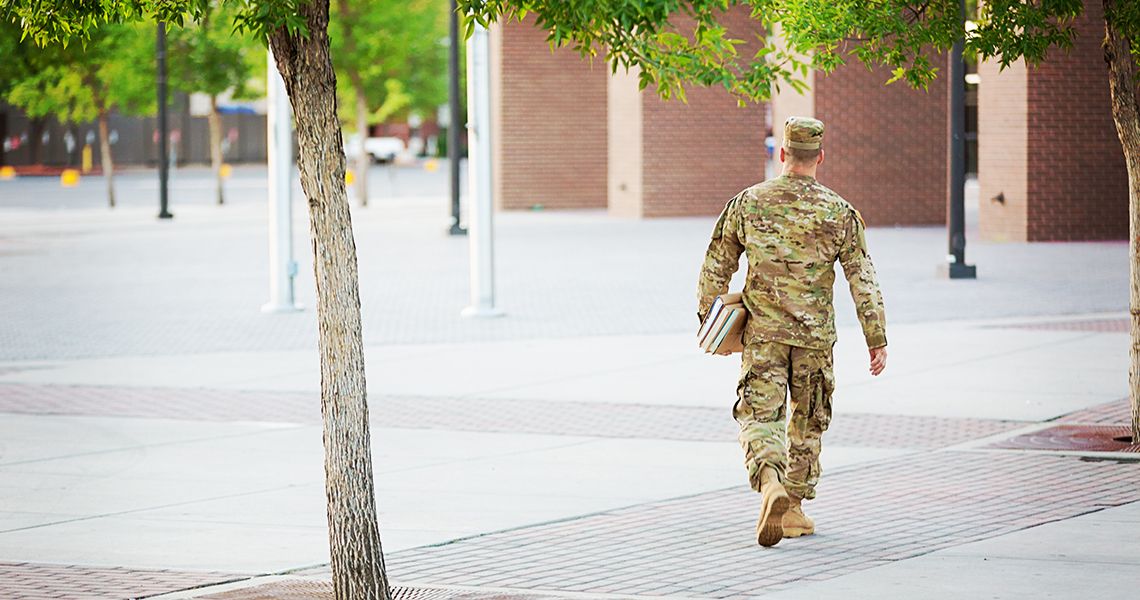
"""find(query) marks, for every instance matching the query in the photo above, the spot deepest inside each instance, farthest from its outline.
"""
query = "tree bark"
(105, 156)
(214, 120)
(354, 537)
(364, 160)
(1122, 86)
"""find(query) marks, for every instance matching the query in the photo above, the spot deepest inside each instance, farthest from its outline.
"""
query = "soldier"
(792, 230)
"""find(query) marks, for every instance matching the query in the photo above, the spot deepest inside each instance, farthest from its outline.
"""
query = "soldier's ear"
(782, 157)
(819, 161)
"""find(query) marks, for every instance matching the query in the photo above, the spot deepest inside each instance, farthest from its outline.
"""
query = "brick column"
(626, 196)
(549, 113)
(1048, 146)
(673, 158)
(1003, 120)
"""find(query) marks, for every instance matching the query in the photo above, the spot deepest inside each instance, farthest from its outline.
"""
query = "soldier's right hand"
(878, 360)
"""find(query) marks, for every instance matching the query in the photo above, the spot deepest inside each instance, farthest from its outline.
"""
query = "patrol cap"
(803, 133)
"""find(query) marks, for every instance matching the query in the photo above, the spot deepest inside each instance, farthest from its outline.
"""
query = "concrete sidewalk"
(158, 433)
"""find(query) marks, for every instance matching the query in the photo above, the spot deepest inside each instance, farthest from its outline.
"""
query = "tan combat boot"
(796, 523)
(769, 529)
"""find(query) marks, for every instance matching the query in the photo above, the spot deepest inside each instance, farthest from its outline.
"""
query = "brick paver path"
(702, 546)
(28, 581)
(306, 589)
(1109, 413)
(478, 414)
(868, 514)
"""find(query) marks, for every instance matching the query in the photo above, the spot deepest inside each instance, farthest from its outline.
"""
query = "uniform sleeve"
(722, 258)
(860, 275)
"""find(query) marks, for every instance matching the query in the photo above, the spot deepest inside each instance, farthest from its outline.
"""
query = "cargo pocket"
(823, 384)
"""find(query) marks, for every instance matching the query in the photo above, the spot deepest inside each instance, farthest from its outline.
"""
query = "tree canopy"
(113, 69)
(674, 43)
(208, 56)
(393, 52)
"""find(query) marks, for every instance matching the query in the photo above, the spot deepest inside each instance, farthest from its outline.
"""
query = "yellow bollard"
(7, 172)
(69, 178)
(226, 171)
(349, 177)
(87, 159)
(431, 166)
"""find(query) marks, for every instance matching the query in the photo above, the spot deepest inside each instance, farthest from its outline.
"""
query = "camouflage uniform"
(792, 230)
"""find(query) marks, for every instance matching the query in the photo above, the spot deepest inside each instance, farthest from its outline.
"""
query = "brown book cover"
(733, 340)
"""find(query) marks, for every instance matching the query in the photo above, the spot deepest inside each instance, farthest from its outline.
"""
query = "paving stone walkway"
(32, 581)
(701, 546)
(631, 421)
(96, 284)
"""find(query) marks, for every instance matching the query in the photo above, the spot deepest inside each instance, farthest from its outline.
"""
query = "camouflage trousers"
(774, 376)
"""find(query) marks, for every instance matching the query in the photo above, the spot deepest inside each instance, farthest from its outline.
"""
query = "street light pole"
(956, 267)
(282, 267)
(481, 213)
(163, 127)
(454, 117)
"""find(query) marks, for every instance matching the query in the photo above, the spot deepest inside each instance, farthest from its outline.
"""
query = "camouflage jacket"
(792, 230)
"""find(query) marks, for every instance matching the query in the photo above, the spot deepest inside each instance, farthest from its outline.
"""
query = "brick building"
(1051, 163)
(570, 135)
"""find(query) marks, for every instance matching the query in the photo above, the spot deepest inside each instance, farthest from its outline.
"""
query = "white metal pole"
(480, 227)
(282, 267)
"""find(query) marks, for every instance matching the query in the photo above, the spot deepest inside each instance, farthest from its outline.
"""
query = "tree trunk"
(364, 160)
(354, 536)
(105, 156)
(1122, 85)
(37, 140)
(215, 122)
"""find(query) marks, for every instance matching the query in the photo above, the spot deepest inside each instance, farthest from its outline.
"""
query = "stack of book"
(722, 331)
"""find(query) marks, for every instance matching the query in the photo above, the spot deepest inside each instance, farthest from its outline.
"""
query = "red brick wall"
(698, 155)
(885, 145)
(550, 113)
(1077, 182)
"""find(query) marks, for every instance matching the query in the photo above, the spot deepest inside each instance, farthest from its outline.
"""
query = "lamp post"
(956, 267)
(163, 127)
(454, 117)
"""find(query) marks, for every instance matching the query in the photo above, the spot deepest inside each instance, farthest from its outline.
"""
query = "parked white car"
(381, 149)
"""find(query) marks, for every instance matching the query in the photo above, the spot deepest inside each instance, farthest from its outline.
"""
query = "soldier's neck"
(799, 172)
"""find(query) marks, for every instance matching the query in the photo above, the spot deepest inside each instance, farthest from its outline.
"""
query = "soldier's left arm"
(722, 258)
(860, 274)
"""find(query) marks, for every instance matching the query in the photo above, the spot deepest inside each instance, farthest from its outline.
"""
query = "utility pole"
(282, 267)
(956, 267)
(163, 127)
(481, 213)
(454, 117)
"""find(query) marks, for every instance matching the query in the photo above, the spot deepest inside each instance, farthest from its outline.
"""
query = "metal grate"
(1079, 438)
